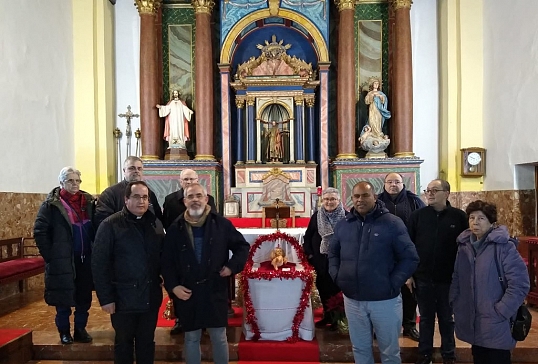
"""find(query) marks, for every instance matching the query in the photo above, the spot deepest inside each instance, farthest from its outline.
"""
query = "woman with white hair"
(64, 233)
(317, 240)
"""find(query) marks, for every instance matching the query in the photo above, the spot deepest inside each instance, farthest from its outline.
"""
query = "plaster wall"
(36, 89)
(510, 79)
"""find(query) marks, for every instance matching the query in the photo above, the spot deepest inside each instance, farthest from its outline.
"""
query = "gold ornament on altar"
(278, 258)
(168, 312)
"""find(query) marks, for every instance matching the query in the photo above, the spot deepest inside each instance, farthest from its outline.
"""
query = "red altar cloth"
(256, 222)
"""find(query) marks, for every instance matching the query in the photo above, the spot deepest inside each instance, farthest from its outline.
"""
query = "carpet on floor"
(280, 351)
(8, 335)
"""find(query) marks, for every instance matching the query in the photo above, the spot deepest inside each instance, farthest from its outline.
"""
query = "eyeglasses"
(140, 198)
(74, 181)
(189, 179)
(135, 168)
(393, 182)
(433, 191)
(330, 199)
(198, 196)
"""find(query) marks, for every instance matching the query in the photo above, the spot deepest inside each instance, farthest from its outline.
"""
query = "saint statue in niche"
(372, 138)
(275, 147)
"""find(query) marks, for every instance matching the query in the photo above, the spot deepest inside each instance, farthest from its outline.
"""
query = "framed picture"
(231, 207)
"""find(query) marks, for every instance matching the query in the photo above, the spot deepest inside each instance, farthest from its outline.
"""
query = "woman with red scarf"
(64, 233)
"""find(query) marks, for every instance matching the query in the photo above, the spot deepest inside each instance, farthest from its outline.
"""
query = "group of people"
(391, 252)
(387, 254)
(117, 245)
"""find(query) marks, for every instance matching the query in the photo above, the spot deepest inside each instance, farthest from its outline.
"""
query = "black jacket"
(396, 207)
(434, 234)
(53, 234)
(208, 305)
(112, 200)
(174, 206)
(312, 243)
(126, 262)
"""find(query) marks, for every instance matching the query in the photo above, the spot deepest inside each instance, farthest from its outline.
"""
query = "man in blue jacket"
(371, 258)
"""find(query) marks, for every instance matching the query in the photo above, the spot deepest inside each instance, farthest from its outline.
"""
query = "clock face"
(474, 158)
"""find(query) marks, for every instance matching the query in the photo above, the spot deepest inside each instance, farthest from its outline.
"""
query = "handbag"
(520, 324)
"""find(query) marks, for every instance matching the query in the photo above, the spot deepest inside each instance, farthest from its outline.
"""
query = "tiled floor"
(29, 311)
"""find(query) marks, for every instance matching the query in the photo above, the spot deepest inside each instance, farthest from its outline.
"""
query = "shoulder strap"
(499, 274)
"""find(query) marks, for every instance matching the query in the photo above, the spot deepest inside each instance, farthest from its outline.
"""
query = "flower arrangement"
(335, 305)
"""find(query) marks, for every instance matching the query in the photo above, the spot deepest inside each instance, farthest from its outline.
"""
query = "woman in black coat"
(64, 233)
(317, 239)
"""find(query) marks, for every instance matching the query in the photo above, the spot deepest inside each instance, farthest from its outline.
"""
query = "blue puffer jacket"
(371, 257)
(482, 309)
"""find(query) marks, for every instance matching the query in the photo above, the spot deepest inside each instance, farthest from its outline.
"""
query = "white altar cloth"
(276, 301)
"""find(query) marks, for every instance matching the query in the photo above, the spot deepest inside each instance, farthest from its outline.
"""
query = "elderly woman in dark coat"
(317, 239)
(64, 233)
(482, 307)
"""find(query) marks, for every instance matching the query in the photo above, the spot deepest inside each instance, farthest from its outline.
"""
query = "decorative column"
(240, 130)
(149, 93)
(251, 131)
(310, 130)
(402, 81)
(346, 93)
(203, 83)
(299, 128)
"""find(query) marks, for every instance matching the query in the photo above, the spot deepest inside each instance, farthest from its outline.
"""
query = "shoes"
(424, 359)
(66, 338)
(412, 333)
(334, 326)
(82, 336)
(449, 361)
(177, 329)
(322, 323)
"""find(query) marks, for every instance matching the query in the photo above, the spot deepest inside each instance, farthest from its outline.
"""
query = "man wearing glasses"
(111, 199)
(434, 230)
(126, 270)
(173, 207)
(402, 202)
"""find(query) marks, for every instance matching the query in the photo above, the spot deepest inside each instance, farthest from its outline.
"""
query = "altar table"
(264, 252)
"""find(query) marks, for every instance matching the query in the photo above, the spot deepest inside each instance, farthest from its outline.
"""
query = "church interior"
(275, 104)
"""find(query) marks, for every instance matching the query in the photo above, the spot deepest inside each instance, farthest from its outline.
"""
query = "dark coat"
(174, 206)
(396, 206)
(126, 262)
(482, 308)
(434, 234)
(112, 200)
(371, 257)
(208, 305)
(53, 234)
(312, 243)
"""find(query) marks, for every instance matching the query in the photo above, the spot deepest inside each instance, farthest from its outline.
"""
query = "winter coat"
(174, 206)
(126, 262)
(434, 234)
(53, 233)
(396, 206)
(372, 256)
(482, 308)
(112, 200)
(312, 244)
(208, 304)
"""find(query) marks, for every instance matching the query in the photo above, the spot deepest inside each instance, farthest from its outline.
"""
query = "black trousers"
(326, 287)
(409, 304)
(482, 355)
(134, 331)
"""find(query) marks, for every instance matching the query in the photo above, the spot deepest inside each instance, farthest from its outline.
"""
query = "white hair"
(66, 171)
(331, 190)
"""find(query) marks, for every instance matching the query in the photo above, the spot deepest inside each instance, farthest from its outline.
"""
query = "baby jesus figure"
(278, 258)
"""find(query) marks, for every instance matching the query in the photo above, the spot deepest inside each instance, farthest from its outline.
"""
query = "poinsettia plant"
(335, 305)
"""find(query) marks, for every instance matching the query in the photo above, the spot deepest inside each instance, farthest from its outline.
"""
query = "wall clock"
(473, 162)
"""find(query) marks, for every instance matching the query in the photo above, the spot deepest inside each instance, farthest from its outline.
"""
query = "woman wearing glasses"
(64, 233)
(317, 239)
(483, 305)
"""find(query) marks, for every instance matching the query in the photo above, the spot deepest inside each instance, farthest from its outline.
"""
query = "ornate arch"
(319, 43)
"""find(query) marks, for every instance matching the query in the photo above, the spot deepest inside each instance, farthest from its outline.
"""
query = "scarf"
(326, 223)
(75, 203)
(196, 223)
